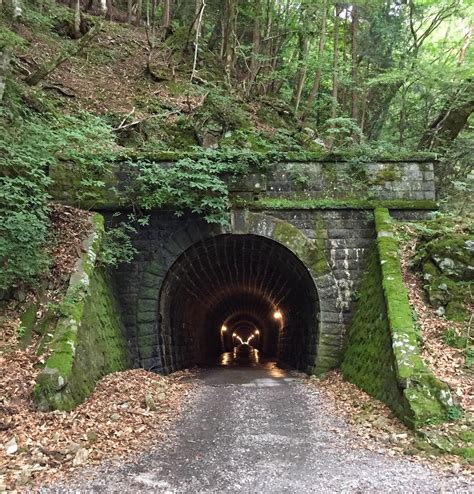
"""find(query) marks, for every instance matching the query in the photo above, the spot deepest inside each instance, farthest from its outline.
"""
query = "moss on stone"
(445, 256)
(382, 354)
(295, 157)
(428, 397)
(368, 358)
(388, 174)
(314, 204)
(27, 324)
(467, 453)
(312, 254)
(88, 339)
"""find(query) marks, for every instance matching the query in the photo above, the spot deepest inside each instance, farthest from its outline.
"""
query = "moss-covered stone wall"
(321, 183)
(368, 357)
(88, 340)
(382, 354)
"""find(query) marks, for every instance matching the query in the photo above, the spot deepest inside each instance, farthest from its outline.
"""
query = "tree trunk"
(354, 67)
(103, 7)
(166, 19)
(303, 45)
(379, 100)
(317, 78)
(197, 12)
(335, 64)
(17, 10)
(254, 63)
(109, 13)
(48, 67)
(129, 11)
(77, 19)
(402, 117)
(138, 17)
(451, 120)
(228, 39)
(197, 33)
(4, 66)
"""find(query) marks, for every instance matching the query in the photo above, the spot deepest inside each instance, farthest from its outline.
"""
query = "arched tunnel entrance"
(233, 288)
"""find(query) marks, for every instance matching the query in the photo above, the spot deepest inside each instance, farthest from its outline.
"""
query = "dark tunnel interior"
(234, 289)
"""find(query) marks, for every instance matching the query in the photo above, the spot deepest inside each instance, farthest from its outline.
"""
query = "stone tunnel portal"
(235, 287)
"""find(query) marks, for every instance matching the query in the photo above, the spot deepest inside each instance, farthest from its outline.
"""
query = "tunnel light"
(257, 331)
(277, 315)
(223, 328)
(234, 335)
(249, 339)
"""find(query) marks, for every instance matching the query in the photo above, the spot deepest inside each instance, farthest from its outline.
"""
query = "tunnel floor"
(256, 371)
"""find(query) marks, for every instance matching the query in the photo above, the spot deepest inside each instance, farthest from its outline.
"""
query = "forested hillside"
(86, 81)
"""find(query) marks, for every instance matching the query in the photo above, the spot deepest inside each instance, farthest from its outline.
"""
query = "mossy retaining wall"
(382, 354)
(88, 341)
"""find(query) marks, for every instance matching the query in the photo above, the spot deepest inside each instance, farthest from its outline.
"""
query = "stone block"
(151, 280)
(145, 329)
(147, 316)
(326, 316)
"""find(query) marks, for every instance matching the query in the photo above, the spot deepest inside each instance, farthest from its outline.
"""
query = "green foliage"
(469, 358)
(444, 256)
(195, 183)
(455, 174)
(9, 39)
(29, 145)
(342, 132)
(21, 332)
(454, 413)
(300, 179)
(187, 185)
(221, 108)
(116, 246)
(451, 338)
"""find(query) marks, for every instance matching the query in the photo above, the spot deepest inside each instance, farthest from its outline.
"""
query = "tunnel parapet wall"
(410, 179)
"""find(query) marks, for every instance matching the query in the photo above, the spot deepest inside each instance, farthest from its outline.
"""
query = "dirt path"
(262, 430)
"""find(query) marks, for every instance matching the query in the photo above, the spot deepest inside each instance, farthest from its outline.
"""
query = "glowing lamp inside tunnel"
(277, 315)
(223, 329)
(257, 331)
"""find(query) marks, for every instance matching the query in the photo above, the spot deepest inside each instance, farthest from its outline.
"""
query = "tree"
(17, 10)
(166, 19)
(354, 63)
(4, 66)
(451, 120)
(303, 47)
(317, 78)
(228, 37)
(197, 25)
(335, 62)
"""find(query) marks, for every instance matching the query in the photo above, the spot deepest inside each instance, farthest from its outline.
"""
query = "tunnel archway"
(238, 284)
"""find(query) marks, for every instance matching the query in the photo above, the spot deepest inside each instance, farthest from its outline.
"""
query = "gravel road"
(262, 430)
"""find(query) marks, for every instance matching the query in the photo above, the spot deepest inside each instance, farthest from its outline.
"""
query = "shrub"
(29, 145)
